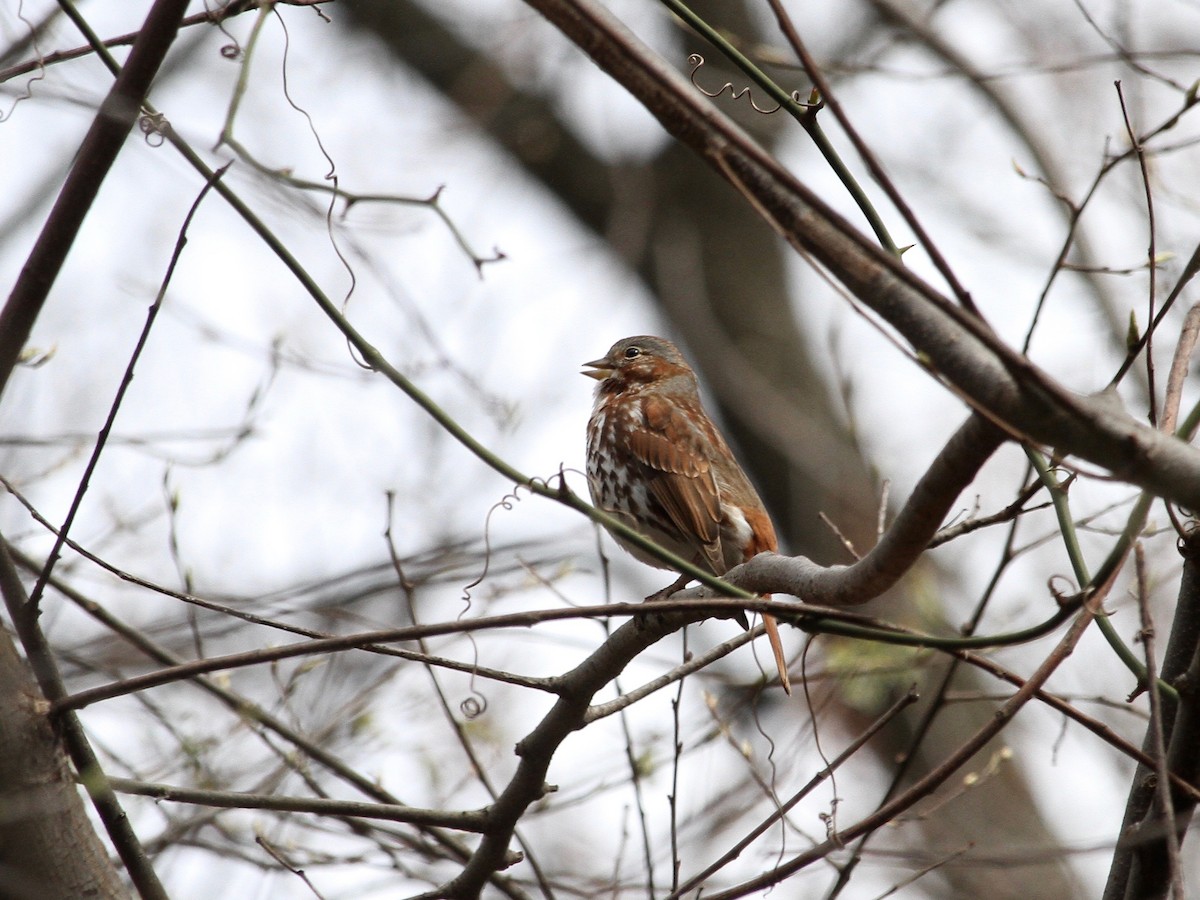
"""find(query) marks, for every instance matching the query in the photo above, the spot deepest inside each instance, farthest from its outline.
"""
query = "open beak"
(603, 368)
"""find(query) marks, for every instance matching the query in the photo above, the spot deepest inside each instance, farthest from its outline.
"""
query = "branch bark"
(951, 472)
(48, 847)
(1140, 866)
(70, 735)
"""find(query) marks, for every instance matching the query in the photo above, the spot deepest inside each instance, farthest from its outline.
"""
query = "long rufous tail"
(777, 650)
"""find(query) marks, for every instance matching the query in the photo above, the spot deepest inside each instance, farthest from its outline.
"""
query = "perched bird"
(657, 462)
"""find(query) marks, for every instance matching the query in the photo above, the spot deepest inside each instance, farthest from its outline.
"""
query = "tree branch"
(73, 737)
(1139, 867)
(928, 783)
(537, 749)
(465, 820)
(953, 469)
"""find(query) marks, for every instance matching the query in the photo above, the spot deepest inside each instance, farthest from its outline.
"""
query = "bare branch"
(467, 820)
(955, 467)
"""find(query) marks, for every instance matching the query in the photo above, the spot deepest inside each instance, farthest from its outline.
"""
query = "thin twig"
(869, 158)
(1151, 252)
(208, 17)
(471, 821)
(852, 748)
(1180, 364)
(252, 712)
(924, 726)
(277, 854)
(539, 684)
(939, 774)
(460, 732)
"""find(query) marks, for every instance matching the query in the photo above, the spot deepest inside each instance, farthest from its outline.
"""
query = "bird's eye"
(632, 352)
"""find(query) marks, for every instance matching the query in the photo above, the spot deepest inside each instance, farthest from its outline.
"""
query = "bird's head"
(634, 361)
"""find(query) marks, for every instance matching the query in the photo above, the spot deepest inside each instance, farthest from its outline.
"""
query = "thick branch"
(72, 736)
(1140, 866)
(538, 748)
(985, 372)
(48, 846)
(953, 469)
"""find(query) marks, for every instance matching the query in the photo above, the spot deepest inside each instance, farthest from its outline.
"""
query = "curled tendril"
(233, 49)
(811, 105)
(154, 127)
(696, 61)
(7, 114)
(474, 706)
(506, 503)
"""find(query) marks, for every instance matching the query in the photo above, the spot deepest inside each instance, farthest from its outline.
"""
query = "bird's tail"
(777, 649)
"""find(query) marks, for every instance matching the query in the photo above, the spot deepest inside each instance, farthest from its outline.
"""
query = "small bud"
(1131, 336)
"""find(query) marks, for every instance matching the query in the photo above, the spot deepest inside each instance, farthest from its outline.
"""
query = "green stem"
(928, 641)
(243, 82)
(804, 113)
(1066, 524)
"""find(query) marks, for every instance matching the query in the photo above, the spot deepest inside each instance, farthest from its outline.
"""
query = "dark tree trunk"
(48, 847)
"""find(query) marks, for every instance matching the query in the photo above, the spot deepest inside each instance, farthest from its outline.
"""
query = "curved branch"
(953, 469)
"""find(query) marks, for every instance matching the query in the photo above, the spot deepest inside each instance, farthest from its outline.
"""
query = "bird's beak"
(603, 368)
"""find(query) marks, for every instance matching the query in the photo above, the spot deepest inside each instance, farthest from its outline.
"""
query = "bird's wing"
(679, 476)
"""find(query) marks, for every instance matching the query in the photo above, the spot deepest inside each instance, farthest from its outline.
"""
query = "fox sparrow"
(656, 461)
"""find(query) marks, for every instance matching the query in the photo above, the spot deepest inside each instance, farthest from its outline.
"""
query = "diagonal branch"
(537, 749)
(110, 127)
(924, 786)
(949, 474)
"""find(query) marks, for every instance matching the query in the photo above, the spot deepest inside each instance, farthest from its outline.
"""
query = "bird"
(656, 462)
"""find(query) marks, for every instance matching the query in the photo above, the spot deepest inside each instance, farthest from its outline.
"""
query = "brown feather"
(680, 478)
(763, 536)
